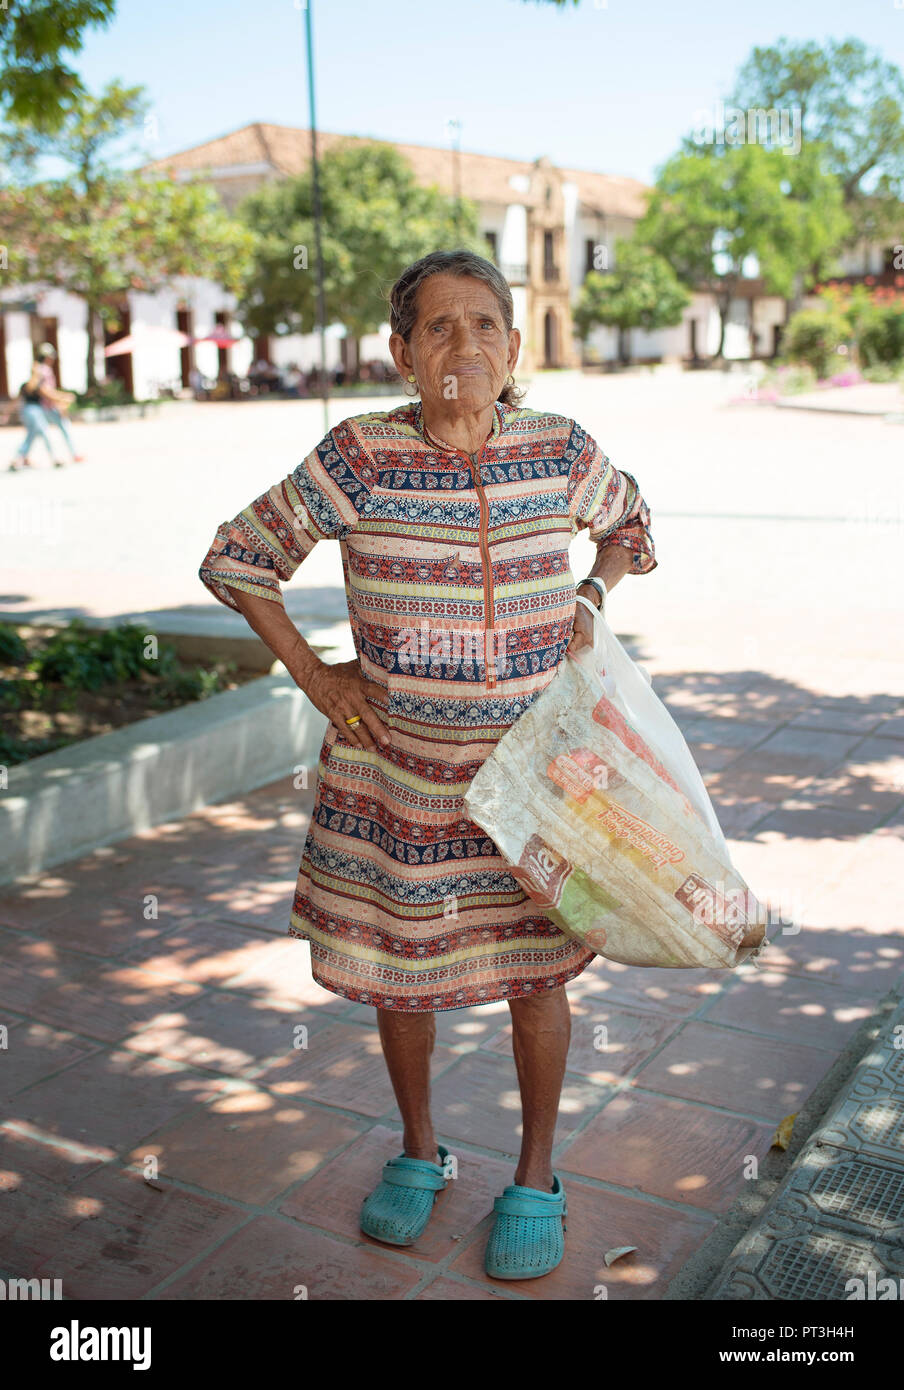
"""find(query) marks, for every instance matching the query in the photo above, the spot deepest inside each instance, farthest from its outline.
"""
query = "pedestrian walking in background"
(35, 420)
(55, 401)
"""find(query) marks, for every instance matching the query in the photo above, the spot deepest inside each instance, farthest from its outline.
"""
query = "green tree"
(37, 86)
(376, 219)
(714, 207)
(100, 231)
(641, 291)
(851, 101)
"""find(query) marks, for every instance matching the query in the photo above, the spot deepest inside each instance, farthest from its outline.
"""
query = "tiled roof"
(484, 178)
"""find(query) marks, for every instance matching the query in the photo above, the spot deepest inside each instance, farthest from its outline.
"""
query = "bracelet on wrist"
(594, 583)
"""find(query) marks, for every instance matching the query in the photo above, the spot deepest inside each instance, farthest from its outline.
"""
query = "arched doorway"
(550, 339)
(224, 366)
(120, 365)
(185, 324)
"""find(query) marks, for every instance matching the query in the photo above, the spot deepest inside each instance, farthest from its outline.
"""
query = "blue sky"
(607, 86)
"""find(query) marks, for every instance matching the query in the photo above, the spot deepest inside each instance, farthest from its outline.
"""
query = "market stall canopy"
(221, 339)
(153, 334)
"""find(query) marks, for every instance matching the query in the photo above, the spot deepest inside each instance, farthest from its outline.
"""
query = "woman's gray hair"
(403, 296)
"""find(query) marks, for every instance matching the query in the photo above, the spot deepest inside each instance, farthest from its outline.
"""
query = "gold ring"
(355, 719)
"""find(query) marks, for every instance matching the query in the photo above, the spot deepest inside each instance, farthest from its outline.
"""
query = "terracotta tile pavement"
(739, 1071)
(113, 1098)
(668, 1148)
(801, 1010)
(271, 1258)
(117, 1236)
(188, 1114)
(444, 1290)
(38, 1050)
(247, 1145)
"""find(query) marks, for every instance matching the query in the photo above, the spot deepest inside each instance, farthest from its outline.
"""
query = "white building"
(546, 227)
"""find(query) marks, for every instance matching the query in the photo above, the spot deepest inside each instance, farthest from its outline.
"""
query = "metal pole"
(454, 129)
(458, 181)
(315, 187)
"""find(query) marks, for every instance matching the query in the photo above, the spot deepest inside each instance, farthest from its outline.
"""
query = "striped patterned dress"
(461, 602)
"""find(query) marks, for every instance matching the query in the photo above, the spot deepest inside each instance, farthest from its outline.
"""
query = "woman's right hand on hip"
(340, 691)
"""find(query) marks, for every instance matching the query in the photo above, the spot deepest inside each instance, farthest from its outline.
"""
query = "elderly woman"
(454, 515)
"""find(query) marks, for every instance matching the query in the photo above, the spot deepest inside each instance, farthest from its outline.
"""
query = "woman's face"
(459, 350)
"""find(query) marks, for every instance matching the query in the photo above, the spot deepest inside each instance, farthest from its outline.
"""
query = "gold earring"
(510, 381)
(412, 378)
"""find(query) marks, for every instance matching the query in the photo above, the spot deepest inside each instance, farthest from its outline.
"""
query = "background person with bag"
(34, 418)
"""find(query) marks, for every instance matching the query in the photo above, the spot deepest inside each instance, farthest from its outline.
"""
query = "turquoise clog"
(401, 1204)
(527, 1238)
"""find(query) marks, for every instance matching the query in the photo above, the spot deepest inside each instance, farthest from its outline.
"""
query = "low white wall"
(67, 803)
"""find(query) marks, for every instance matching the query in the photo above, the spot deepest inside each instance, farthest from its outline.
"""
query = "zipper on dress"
(483, 537)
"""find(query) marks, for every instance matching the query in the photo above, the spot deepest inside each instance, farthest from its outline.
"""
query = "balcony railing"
(550, 271)
(515, 273)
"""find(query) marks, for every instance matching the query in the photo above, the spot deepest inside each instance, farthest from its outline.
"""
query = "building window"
(45, 331)
(493, 242)
(550, 340)
(549, 265)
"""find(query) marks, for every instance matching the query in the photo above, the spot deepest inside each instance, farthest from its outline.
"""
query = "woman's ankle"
(425, 1149)
(538, 1177)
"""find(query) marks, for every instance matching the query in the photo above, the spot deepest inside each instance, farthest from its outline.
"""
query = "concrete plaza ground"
(772, 629)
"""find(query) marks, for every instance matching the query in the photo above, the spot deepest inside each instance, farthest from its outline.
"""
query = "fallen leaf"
(782, 1137)
(616, 1253)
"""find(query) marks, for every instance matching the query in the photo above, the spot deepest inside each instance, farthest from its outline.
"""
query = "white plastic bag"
(595, 802)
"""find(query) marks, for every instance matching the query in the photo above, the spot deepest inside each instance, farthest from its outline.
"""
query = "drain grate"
(804, 1264)
(816, 1267)
(871, 1117)
(838, 1214)
(882, 1122)
(874, 1125)
(868, 1194)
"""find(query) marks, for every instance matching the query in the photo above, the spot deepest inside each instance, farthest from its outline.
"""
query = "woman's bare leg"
(541, 1032)
(407, 1041)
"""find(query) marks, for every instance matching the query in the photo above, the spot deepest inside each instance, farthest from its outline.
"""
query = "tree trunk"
(793, 304)
(724, 297)
(624, 346)
(723, 306)
(91, 374)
